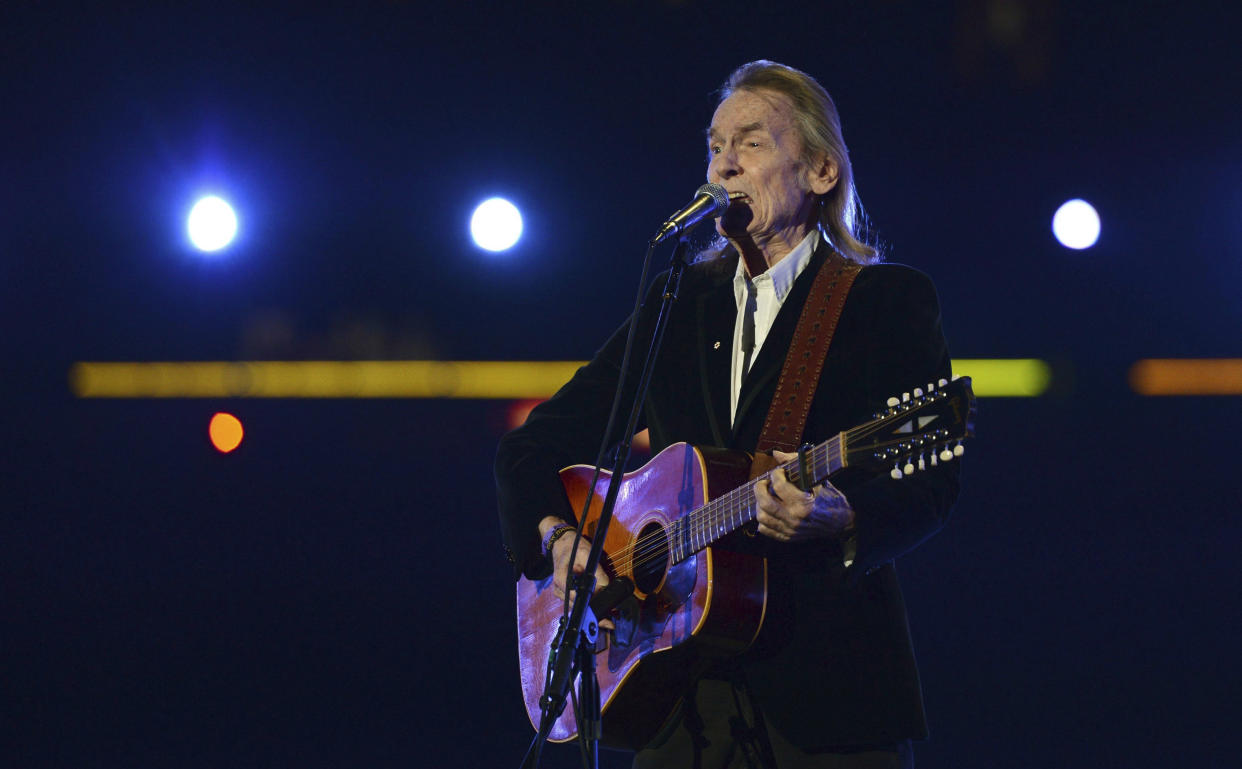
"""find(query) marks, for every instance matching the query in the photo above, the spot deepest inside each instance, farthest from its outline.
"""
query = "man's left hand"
(789, 514)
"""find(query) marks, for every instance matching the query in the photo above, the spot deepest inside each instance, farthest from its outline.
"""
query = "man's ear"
(822, 175)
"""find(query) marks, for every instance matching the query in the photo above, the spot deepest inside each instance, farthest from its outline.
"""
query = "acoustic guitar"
(693, 603)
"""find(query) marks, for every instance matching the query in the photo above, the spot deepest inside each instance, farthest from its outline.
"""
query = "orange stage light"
(519, 410)
(1187, 376)
(225, 431)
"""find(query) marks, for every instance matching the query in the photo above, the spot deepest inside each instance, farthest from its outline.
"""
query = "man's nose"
(724, 166)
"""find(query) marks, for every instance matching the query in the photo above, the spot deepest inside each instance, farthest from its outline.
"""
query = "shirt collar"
(783, 273)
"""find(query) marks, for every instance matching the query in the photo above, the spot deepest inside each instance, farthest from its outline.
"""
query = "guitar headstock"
(920, 428)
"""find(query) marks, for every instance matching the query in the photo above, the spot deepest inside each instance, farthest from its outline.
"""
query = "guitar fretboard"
(729, 512)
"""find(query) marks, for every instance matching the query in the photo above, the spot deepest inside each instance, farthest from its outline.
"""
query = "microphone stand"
(573, 648)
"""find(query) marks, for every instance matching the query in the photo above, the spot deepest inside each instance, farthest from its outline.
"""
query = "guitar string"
(710, 521)
(705, 524)
(719, 516)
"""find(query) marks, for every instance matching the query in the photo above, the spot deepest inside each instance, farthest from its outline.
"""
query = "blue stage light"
(496, 225)
(1076, 224)
(212, 224)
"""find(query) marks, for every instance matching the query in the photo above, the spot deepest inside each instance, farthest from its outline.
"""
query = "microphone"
(709, 200)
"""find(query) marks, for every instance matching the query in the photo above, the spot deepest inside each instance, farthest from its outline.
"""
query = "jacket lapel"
(716, 314)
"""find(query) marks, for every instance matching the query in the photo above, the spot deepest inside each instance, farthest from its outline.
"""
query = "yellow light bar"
(1187, 376)
(419, 379)
(1005, 377)
(321, 379)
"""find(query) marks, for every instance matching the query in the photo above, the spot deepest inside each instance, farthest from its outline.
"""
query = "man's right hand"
(563, 554)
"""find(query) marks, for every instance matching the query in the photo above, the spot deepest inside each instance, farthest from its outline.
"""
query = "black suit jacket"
(833, 665)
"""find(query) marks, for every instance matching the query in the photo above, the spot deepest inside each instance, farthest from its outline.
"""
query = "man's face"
(754, 148)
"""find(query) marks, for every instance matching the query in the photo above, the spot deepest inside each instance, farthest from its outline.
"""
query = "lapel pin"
(716, 346)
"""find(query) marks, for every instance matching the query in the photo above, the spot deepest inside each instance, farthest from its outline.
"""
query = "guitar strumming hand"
(788, 514)
(562, 553)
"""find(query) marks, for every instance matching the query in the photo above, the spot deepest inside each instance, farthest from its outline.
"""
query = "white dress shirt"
(759, 299)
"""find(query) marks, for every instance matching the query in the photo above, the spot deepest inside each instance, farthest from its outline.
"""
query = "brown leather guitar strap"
(796, 387)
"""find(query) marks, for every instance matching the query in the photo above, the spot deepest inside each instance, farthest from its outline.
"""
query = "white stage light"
(212, 224)
(496, 224)
(1076, 224)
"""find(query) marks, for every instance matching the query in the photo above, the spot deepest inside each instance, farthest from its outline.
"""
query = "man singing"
(830, 681)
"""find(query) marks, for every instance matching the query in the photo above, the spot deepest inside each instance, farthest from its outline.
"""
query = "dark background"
(333, 593)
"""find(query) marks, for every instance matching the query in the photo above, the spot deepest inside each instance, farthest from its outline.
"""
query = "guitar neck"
(731, 511)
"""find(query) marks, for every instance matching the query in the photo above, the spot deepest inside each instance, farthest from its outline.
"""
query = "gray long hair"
(841, 217)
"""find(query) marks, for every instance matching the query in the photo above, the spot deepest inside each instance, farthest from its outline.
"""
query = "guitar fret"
(674, 546)
(701, 527)
(675, 541)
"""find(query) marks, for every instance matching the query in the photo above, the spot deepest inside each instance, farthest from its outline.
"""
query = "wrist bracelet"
(553, 535)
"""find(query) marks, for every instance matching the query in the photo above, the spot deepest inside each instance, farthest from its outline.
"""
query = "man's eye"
(714, 149)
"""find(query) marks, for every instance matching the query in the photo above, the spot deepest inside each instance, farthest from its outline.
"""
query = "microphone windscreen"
(719, 195)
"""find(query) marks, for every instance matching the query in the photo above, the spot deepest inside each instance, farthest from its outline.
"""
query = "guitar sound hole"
(650, 557)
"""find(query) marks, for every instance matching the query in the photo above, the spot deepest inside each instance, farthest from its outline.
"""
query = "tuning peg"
(934, 457)
(959, 449)
(944, 382)
(918, 392)
(930, 387)
(896, 473)
(905, 397)
(892, 402)
(945, 454)
(922, 463)
(909, 468)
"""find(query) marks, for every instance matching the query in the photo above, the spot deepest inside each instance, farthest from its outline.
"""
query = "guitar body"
(682, 616)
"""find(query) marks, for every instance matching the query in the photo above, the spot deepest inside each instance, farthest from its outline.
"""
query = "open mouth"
(736, 196)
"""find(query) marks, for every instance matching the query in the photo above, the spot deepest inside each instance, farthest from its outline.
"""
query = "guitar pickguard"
(667, 613)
